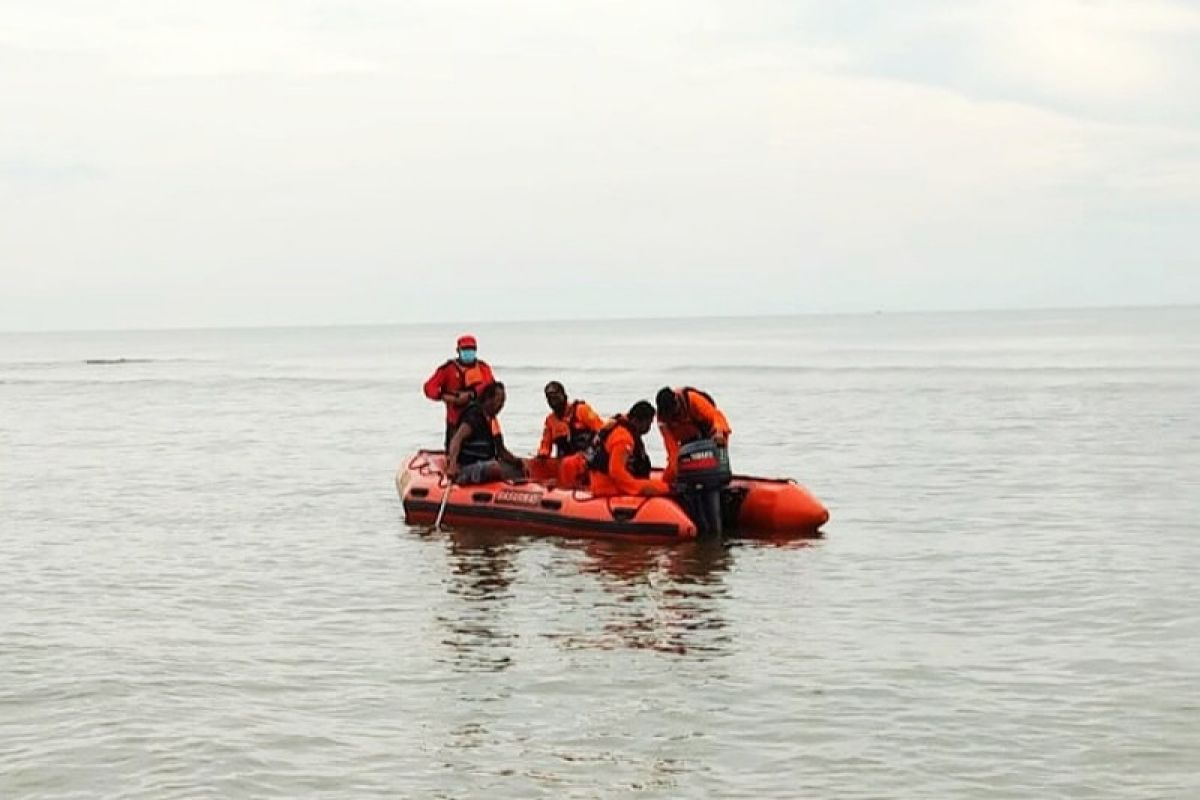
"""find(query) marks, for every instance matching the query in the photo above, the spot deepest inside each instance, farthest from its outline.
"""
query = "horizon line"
(642, 318)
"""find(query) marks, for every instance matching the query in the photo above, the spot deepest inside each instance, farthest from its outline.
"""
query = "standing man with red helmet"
(458, 382)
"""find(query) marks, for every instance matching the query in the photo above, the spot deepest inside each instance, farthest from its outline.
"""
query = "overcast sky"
(235, 162)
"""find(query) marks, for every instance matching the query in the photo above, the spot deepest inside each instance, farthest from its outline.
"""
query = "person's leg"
(479, 472)
(572, 472)
(508, 472)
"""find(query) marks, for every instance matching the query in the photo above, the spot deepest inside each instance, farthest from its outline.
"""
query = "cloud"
(30, 170)
(1120, 60)
(148, 40)
(366, 161)
(1090, 51)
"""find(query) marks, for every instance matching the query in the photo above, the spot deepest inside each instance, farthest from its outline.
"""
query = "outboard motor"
(703, 471)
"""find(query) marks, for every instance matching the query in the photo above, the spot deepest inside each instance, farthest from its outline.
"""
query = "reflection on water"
(481, 575)
(536, 625)
(694, 562)
(665, 598)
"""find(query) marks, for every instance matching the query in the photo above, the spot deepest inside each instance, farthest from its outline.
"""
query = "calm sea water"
(208, 589)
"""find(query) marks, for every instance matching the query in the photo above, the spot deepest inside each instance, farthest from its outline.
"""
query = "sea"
(208, 590)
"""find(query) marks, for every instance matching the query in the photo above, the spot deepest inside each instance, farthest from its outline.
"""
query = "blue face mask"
(466, 356)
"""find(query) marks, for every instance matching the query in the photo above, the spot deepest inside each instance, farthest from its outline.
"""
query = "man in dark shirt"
(477, 453)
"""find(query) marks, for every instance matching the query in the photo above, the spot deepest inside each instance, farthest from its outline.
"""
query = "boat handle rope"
(426, 468)
(636, 510)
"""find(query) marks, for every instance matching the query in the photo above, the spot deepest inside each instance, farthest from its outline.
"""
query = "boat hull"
(757, 507)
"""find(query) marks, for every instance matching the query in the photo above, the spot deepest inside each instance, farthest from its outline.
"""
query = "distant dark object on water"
(117, 360)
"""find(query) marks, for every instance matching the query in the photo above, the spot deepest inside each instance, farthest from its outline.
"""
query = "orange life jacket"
(570, 434)
(472, 378)
(689, 427)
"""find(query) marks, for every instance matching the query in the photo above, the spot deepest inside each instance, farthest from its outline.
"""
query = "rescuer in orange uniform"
(458, 382)
(570, 426)
(619, 463)
(685, 415)
(567, 433)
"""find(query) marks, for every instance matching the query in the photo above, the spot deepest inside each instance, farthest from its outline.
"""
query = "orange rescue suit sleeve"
(548, 436)
(589, 418)
(671, 445)
(435, 387)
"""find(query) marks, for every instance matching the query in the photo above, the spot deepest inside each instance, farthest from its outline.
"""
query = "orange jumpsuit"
(700, 418)
(570, 434)
(579, 420)
(620, 445)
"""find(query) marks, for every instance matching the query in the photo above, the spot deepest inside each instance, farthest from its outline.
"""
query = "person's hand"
(721, 439)
(452, 471)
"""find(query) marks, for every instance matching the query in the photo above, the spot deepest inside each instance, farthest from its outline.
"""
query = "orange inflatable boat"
(753, 507)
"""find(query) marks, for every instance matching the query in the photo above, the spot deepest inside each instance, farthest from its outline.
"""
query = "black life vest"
(577, 436)
(638, 462)
(484, 441)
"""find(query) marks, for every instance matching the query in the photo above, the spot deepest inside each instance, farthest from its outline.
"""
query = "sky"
(234, 162)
